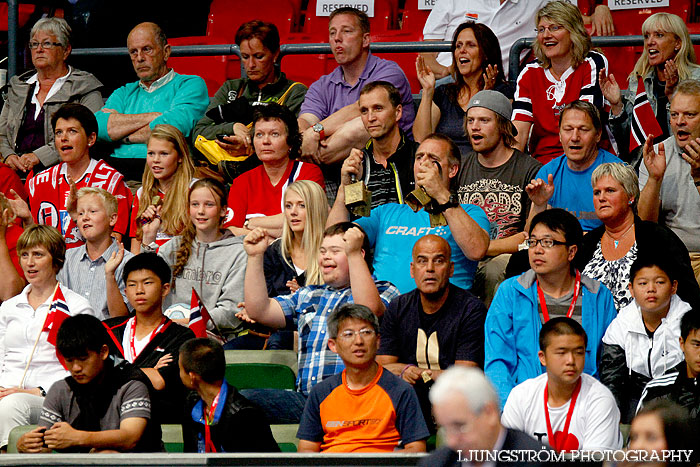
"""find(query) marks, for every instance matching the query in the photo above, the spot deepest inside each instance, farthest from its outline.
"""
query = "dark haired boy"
(551, 288)
(50, 200)
(640, 343)
(217, 417)
(365, 408)
(99, 407)
(681, 384)
(563, 408)
(148, 339)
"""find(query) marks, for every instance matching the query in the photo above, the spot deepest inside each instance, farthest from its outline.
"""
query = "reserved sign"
(326, 7)
(426, 4)
(634, 4)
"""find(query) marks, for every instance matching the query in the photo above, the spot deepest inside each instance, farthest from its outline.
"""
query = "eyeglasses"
(46, 45)
(545, 242)
(365, 333)
(553, 28)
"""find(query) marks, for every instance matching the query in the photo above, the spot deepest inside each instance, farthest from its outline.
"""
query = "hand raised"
(257, 241)
(539, 191)
(653, 161)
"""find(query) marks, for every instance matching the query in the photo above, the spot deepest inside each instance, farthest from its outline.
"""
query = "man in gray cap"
(494, 176)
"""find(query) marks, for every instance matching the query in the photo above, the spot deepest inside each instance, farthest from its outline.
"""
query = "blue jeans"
(280, 405)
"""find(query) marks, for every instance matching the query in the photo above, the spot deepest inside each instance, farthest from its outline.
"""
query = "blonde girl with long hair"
(292, 260)
(160, 209)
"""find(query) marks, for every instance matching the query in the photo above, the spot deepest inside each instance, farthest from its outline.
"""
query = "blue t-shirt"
(573, 190)
(393, 229)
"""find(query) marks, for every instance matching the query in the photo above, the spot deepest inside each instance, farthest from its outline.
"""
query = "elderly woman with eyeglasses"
(607, 252)
(26, 139)
(567, 70)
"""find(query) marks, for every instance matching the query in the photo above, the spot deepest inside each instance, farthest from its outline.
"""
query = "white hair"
(469, 382)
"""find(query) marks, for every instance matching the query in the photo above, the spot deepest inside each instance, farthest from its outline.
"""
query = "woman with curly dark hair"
(255, 199)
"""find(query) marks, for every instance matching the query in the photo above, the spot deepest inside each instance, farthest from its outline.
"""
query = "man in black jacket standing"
(217, 417)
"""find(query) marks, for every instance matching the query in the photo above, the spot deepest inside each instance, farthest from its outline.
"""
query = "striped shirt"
(308, 308)
(87, 277)
(391, 183)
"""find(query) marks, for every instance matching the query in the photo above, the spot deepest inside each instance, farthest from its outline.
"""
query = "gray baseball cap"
(494, 101)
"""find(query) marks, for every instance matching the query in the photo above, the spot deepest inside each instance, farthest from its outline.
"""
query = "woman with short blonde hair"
(607, 252)
(567, 70)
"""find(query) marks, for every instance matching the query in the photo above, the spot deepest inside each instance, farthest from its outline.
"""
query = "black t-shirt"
(500, 191)
(436, 341)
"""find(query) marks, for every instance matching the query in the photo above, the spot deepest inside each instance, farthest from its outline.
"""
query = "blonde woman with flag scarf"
(28, 361)
(668, 58)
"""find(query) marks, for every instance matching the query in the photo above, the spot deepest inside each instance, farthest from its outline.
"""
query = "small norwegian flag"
(58, 312)
(198, 316)
(643, 119)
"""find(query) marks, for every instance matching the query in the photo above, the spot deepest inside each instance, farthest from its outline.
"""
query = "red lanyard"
(132, 331)
(543, 303)
(565, 434)
(208, 420)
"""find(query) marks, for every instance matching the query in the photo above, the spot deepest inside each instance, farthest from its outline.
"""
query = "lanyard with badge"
(132, 331)
(570, 312)
(559, 445)
(208, 420)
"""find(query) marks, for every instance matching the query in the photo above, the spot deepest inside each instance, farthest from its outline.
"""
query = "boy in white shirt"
(564, 408)
(642, 342)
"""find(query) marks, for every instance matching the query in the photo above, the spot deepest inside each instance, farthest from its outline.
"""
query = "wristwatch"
(41, 390)
(453, 202)
(318, 128)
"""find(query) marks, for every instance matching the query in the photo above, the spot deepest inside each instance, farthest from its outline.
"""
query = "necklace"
(617, 242)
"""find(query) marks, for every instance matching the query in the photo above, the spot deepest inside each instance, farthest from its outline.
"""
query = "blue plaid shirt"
(308, 308)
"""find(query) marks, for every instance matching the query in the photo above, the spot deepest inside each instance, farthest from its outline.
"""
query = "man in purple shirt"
(330, 116)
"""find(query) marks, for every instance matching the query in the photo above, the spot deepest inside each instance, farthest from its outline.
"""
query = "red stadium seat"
(413, 19)
(226, 16)
(25, 12)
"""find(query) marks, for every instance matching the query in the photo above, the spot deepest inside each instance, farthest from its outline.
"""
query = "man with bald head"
(159, 96)
(434, 326)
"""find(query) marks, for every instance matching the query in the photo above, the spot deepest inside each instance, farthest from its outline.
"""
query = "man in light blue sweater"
(159, 96)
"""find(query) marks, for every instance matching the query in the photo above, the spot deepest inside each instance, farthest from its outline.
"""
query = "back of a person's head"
(341, 227)
(77, 112)
(561, 220)
(80, 334)
(561, 326)
(148, 262)
(204, 357)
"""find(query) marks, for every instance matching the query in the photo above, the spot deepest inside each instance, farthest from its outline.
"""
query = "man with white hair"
(466, 406)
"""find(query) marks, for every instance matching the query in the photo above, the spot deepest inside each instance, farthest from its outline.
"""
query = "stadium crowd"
(494, 261)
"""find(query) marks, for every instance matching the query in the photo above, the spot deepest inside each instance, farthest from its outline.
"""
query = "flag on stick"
(643, 119)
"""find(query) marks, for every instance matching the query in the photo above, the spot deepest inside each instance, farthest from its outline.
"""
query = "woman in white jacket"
(28, 362)
(642, 342)
(212, 261)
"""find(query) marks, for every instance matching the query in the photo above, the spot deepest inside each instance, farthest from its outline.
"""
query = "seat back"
(250, 369)
(171, 435)
(286, 436)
